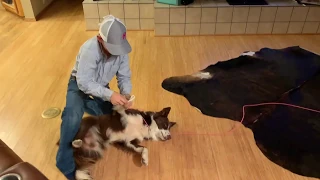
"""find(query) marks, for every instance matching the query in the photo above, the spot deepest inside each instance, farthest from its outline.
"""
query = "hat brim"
(121, 49)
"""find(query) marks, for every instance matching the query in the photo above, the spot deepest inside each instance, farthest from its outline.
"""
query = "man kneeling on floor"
(99, 60)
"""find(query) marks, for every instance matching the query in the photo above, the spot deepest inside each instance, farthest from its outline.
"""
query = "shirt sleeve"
(87, 68)
(124, 76)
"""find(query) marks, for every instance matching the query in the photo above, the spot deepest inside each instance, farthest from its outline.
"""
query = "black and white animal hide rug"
(288, 136)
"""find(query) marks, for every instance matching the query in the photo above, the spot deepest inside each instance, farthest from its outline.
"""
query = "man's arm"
(85, 77)
(124, 76)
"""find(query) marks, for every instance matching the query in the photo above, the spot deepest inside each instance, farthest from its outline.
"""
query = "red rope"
(243, 115)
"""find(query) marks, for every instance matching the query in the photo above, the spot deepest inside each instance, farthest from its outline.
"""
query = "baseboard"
(30, 19)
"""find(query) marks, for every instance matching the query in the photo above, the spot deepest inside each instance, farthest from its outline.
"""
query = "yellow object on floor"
(51, 113)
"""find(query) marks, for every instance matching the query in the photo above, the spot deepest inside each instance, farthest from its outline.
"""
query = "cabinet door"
(13, 6)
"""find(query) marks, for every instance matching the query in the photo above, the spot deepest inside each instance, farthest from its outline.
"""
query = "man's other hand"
(128, 105)
(118, 99)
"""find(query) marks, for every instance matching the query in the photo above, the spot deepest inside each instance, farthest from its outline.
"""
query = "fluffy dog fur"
(126, 128)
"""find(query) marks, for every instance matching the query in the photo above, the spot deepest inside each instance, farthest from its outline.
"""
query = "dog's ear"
(172, 124)
(77, 143)
(165, 111)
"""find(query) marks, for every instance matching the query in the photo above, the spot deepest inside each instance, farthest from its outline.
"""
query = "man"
(99, 60)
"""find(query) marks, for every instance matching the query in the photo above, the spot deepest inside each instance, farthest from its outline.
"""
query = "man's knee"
(73, 111)
(72, 116)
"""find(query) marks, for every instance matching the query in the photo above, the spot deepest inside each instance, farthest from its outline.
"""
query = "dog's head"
(162, 131)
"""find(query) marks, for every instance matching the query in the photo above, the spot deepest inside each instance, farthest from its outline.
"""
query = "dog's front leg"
(139, 149)
(106, 144)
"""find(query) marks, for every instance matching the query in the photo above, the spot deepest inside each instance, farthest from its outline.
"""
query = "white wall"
(32, 8)
(27, 9)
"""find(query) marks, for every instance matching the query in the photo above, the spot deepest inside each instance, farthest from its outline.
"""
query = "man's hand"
(129, 103)
(118, 99)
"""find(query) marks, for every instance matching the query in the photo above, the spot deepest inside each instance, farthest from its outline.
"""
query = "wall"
(32, 8)
(206, 17)
(136, 15)
(27, 9)
(220, 18)
(39, 5)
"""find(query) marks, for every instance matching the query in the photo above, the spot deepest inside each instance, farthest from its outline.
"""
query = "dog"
(125, 128)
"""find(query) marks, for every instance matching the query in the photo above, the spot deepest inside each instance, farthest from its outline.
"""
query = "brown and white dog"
(124, 127)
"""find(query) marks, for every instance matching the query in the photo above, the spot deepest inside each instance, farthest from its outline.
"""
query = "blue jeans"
(76, 103)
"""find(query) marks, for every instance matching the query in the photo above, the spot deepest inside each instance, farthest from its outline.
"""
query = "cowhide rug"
(287, 136)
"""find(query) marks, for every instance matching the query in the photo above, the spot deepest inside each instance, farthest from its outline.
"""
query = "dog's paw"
(77, 143)
(106, 144)
(83, 175)
(144, 157)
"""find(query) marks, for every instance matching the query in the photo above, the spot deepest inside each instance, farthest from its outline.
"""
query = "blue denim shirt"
(93, 71)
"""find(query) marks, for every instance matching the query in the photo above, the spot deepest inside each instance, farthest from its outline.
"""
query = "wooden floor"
(35, 62)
